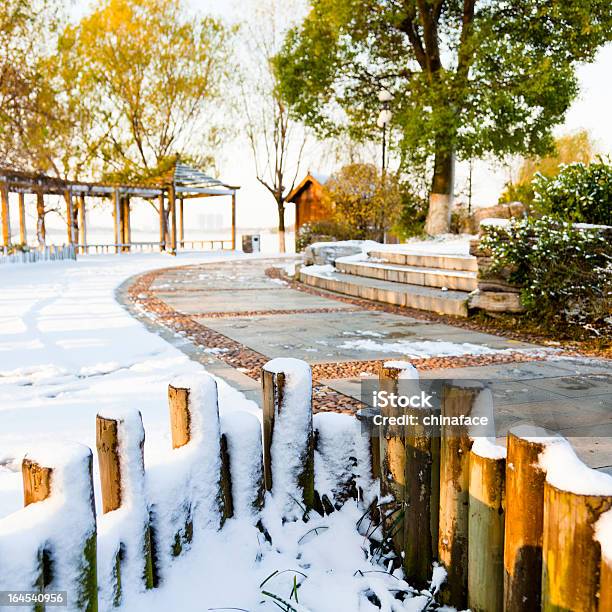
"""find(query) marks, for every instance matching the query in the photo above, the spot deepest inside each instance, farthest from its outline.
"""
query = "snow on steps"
(389, 292)
(459, 280)
(466, 263)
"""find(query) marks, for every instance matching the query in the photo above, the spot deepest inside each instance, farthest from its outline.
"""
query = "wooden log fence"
(512, 535)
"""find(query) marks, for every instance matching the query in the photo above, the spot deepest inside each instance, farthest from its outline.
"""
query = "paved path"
(233, 317)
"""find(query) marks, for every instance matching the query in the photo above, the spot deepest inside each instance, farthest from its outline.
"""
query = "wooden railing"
(49, 253)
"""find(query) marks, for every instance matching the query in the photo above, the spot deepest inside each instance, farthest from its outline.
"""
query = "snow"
(69, 350)
(243, 433)
(407, 370)
(426, 348)
(62, 523)
(342, 458)
(603, 534)
(126, 526)
(566, 472)
(292, 429)
(487, 449)
(495, 222)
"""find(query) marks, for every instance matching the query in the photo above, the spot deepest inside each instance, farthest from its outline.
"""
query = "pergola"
(181, 182)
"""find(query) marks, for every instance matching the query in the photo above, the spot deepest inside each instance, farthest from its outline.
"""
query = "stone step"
(467, 263)
(388, 292)
(459, 280)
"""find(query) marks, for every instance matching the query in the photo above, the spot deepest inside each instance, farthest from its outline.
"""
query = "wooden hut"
(311, 201)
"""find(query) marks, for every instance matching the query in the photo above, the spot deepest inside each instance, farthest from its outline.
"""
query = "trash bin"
(251, 243)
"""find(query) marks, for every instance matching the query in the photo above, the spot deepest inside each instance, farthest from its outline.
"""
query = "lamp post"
(384, 118)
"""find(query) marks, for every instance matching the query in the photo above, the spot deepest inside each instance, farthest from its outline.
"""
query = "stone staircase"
(438, 283)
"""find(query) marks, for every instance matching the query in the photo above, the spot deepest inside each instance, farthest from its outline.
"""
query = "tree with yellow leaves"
(152, 74)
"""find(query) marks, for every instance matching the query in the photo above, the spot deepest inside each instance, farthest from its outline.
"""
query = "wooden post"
(233, 221)
(172, 204)
(6, 219)
(605, 583)
(36, 482)
(125, 227)
(82, 223)
(393, 465)
(116, 217)
(162, 223)
(455, 445)
(524, 524)
(178, 401)
(107, 443)
(41, 232)
(111, 434)
(422, 498)
(37, 487)
(570, 552)
(23, 234)
(180, 424)
(274, 383)
(486, 531)
(69, 217)
(181, 224)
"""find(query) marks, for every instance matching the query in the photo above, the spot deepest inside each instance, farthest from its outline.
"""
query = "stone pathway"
(233, 317)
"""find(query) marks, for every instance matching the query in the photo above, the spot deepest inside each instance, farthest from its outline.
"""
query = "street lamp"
(384, 118)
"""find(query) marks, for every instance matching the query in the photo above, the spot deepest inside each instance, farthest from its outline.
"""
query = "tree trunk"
(281, 226)
(441, 196)
(41, 232)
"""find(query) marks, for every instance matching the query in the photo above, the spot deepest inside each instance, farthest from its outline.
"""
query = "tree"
(42, 123)
(468, 78)
(570, 148)
(365, 200)
(152, 72)
(277, 142)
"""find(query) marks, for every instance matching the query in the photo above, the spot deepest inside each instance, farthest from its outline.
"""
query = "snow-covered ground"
(68, 350)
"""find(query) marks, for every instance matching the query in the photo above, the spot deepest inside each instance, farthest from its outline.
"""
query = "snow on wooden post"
(455, 444)
(604, 537)
(288, 434)
(242, 431)
(51, 543)
(486, 526)
(120, 443)
(575, 497)
(524, 518)
(194, 417)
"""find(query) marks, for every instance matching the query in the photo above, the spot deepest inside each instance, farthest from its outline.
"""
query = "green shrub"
(413, 214)
(565, 272)
(579, 193)
(321, 231)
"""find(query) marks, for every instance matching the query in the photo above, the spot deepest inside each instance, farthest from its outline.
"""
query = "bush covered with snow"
(564, 269)
(579, 193)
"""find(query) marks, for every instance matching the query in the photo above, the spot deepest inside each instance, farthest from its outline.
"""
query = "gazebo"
(182, 182)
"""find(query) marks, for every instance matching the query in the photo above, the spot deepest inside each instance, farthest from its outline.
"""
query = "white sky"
(256, 208)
